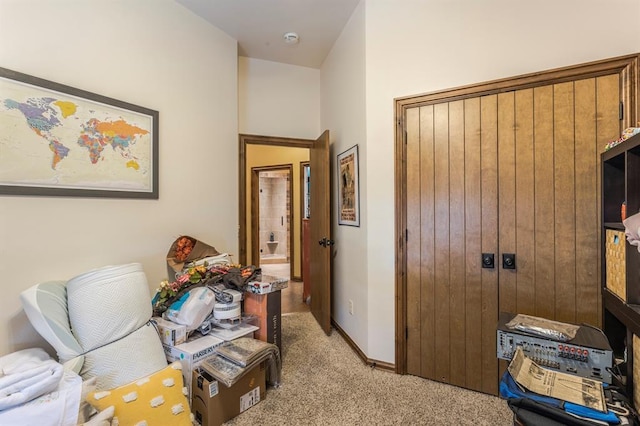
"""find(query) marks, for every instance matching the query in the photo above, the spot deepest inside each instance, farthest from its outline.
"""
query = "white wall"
(418, 46)
(343, 112)
(152, 53)
(277, 99)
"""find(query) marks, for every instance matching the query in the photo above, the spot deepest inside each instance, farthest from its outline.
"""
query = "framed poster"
(348, 193)
(60, 141)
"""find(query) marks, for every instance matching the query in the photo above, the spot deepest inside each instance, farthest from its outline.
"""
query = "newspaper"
(579, 390)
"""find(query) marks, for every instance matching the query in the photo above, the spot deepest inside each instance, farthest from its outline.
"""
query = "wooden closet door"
(452, 216)
(513, 172)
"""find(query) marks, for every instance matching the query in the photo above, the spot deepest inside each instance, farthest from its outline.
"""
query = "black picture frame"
(118, 140)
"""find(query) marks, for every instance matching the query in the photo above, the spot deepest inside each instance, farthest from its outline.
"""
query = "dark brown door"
(320, 232)
(515, 172)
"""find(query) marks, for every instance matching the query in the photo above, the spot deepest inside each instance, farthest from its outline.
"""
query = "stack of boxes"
(213, 403)
(261, 319)
(263, 299)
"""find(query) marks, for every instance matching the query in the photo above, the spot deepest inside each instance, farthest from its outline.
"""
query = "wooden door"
(512, 172)
(320, 233)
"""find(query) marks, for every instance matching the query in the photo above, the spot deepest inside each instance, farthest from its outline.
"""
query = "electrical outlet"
(351, 307)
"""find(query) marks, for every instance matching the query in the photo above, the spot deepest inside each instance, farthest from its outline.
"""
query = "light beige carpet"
(325, 383)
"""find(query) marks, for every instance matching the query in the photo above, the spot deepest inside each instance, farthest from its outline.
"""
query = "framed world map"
(57, 140)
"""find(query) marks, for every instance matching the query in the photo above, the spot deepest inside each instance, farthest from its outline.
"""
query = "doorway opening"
(274, 214)
(273, 202)
(258, 151)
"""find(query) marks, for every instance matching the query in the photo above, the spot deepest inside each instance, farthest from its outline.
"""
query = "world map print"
(52, 139)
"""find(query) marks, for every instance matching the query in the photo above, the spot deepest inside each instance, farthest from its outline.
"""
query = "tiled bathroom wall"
(275, 208)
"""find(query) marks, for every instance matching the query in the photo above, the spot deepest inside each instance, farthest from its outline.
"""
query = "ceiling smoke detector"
(291, 38)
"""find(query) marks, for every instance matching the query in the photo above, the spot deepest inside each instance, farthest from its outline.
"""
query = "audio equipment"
(588, 354)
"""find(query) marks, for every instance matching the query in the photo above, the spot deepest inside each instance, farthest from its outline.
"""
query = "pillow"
(46, 307)
(158, 399)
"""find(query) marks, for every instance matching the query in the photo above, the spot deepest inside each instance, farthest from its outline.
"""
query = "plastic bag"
(192, 308)
(553, 330)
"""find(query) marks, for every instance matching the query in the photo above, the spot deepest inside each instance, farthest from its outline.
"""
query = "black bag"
(528, 412)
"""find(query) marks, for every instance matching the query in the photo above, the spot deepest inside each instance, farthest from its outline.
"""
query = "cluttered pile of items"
(203, 348)
(222, 321)
(559, 374)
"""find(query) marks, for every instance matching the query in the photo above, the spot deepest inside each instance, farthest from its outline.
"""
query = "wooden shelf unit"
(621, 313)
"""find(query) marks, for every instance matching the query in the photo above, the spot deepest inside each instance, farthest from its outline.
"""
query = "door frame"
(245, 140)
(626, 66)
(255, 212)
(303, 166)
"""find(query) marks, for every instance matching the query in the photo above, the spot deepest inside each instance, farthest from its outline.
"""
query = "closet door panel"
(564, 189)
(586, 190)
(525, 202)
(414, 212)
(489, 207)
(457, 240)
(544, 198)
(427, 242)
(473, 244)
(506, 199)
(442, 239)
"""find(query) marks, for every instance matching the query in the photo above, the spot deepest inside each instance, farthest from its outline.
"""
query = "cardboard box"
(191, 354)
(213, 403)
(170, 333)
(268, 310)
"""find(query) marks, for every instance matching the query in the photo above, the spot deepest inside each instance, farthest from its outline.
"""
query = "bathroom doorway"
(271, 189)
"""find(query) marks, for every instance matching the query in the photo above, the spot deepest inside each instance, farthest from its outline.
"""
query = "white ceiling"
(260, 25)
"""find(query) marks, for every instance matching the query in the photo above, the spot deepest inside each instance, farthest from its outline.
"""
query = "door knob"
(508, 261)
(488, 260)
(326, 242)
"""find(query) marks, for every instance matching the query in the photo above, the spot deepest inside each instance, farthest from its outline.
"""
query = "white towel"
(57, 408)
(26, 375)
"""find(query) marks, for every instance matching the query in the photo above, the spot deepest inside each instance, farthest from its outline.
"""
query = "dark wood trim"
(303, 164)
(628, 314)
(378, 365)
(255, 217)
(401, 226)
(244, 140)
(629, 94)
(626, 66)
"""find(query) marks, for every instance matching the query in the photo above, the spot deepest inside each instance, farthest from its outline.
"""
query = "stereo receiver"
(588, 354)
